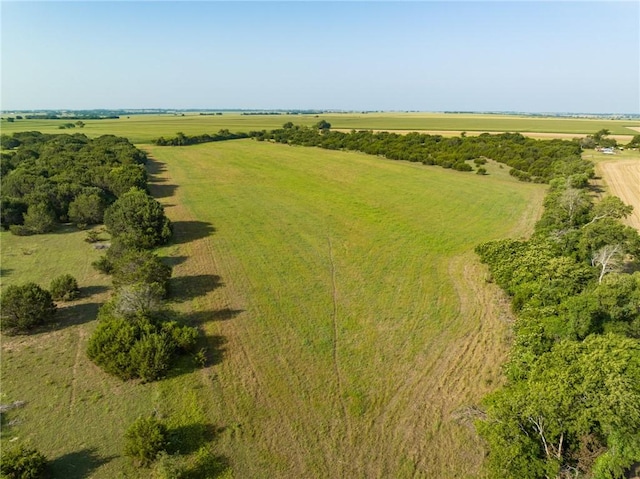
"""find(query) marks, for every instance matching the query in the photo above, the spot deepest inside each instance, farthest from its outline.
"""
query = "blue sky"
(427, 56)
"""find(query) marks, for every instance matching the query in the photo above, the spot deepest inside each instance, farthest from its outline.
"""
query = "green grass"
(74, 412)
(144, 128)
(345, 319)
(342, 266)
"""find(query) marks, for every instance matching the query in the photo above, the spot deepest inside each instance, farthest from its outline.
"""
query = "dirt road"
(622, 178)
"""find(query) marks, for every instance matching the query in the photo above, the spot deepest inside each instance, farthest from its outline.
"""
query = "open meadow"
(348, 327)
(144, 128)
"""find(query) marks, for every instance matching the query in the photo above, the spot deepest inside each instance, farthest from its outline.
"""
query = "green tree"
(579, 397)
(22, 462)
(12, 212)
(87, 209)
(24, 307)
(138, 219)
(610, 207)
(122, 178)
(607, 232)
(635, 142)
(39, 218)
(137, 345)
(64, 288)
(141, 266)
(145, 439)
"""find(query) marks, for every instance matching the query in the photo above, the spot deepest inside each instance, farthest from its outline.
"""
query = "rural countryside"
(320, 240)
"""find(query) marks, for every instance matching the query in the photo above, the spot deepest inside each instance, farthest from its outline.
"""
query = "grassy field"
(347, 323)
(74, 412)
(144, 128)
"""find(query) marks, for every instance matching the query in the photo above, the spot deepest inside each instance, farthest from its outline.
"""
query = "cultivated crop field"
(144, 128)
(348, 326)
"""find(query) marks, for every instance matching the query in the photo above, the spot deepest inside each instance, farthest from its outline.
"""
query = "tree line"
(571, 405)
(183, 140)
(138, 337)
(529, 159)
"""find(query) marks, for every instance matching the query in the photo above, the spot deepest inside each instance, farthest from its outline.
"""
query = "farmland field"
(621, 177)
(349, 328)
(144, 128)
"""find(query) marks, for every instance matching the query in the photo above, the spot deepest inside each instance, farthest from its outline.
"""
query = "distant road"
(622, 177)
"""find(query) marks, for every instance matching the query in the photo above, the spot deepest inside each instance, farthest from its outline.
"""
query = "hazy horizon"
(523, 57)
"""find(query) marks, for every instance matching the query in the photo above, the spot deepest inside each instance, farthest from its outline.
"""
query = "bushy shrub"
(140, 266)
(145, 439)
(137, 346)
(92, 236)
(24, 307)
(184, 337)
(103, 265)
(64, 288)
(39, 218)
(151, 355)
(87, 209)
(22, 462)
(20, 230)
(169, 466)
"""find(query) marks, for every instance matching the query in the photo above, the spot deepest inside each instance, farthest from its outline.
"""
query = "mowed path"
(622, 177)
(337, 362)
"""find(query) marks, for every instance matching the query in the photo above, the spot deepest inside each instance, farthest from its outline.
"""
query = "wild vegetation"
(183, 140)
(571, 407)
(137, 335)
(52, 179)
(25, 307)
(22, 462)
(347, 300)
(529, 159)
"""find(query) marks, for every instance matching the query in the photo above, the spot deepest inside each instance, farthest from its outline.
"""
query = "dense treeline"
(531, 160)
(183, 140)
(571, 406)
(48, 179)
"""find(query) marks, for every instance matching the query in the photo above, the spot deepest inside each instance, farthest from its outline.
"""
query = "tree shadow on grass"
(174, 261)
(185, 288)
(77, 464)
(5, 271)
(162, 190)
(154, 167)
(196, 439)
(157, 186)
(212, 349)
(187, 231)
(188, 439)
(73, 315)
(88, 291)
(208, 467)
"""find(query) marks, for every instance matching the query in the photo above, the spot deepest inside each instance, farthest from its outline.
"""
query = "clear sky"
(428, 56)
